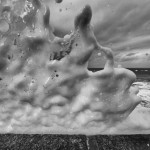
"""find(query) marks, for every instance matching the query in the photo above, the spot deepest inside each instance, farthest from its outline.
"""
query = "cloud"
(139, 42)
(137, 59)
(113, 20)
(127, 21)
(133, 57)
(123, 25)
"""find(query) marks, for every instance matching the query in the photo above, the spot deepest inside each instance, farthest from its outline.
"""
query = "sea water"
(144, 89)
(46, 86)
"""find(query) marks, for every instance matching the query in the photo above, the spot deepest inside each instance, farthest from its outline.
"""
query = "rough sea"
(144, 91)
(143, 82)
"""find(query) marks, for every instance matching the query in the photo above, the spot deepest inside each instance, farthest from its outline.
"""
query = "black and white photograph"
(74, 74)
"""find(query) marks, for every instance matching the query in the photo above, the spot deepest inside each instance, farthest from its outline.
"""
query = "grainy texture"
(123, 142)
(42, 142)
(92, 143)
(74, 142)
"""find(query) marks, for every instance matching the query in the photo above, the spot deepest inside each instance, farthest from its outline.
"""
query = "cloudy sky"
(123, 25)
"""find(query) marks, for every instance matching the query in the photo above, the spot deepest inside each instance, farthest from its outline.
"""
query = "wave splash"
(47, 80)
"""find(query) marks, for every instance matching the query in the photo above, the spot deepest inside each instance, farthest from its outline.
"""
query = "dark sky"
(123, 25)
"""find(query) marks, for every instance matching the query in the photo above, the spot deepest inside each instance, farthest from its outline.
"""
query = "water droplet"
(4, 26)
(99, 54)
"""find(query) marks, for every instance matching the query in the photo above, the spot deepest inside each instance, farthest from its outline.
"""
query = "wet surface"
(122, 142)
(74, 142)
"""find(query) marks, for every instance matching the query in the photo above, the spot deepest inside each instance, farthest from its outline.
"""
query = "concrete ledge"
(120, 142)
(42, 142)
(74, 142)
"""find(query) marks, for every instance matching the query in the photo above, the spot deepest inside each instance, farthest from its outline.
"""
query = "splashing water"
(45, 83)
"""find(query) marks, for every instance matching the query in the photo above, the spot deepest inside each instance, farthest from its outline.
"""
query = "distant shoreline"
(141, 73)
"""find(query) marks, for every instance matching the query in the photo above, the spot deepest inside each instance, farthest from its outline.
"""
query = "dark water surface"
(141, 73)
